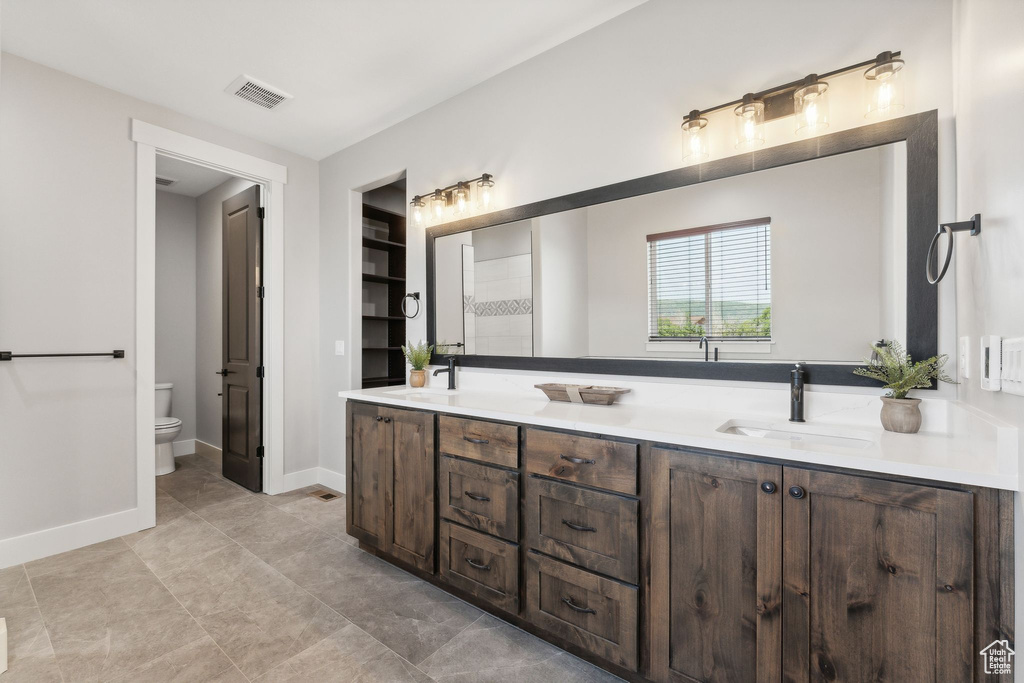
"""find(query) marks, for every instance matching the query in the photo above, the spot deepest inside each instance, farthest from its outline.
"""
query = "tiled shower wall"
(501, 307)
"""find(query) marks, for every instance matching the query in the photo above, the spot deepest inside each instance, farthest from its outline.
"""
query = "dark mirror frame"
(919, 131)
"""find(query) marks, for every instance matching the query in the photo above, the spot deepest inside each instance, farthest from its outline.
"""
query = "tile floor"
(234, 586)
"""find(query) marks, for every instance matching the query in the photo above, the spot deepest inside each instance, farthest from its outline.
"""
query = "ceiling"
(190, 180)
(354, 67)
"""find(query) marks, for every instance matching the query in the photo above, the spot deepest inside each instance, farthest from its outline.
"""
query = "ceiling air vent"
(257, 92)
(160, 180)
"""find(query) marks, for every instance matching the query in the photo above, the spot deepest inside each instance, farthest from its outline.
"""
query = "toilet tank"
(163, 400)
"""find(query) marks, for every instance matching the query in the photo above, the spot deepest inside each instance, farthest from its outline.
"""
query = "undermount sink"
(824, 436)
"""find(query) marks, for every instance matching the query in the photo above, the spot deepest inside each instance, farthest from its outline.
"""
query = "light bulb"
(749, 123)
(485, 192)
(884, 87)
(461, 198)
(810, 106)
(437, 205)
(695, 142)
(418, 211)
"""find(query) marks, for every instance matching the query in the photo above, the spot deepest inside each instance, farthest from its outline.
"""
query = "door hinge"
(259, 292)
(259, 371)
(261, 212)
(259, 452)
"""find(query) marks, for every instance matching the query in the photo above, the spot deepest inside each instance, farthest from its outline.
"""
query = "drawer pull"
(477, 496)
(573, 606)
(478, 565)
(478, 441)
(576, 461)
(577, 527)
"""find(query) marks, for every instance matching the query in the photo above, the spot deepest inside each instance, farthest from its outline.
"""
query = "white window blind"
(712, 282)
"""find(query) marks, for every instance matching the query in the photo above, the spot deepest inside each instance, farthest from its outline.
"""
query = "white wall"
(176, 305)
(209, 306)
(67, 269)
(989, 69)
(606, 107)
(560, 276)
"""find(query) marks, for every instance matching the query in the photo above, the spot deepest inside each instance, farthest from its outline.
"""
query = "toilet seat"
(167, 423)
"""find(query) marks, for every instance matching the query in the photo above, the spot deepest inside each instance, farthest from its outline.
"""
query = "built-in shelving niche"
(384, 259)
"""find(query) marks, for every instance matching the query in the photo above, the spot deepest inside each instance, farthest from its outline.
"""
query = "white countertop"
(973, 449)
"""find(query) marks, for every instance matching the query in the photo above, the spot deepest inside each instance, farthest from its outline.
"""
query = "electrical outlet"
(964, 366)
(1013, 366)
(991, 354)
(339, 347)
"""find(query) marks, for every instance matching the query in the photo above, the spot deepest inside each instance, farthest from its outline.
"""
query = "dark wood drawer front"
(483, 566)
(589, 528)
(482, 497)
(595, 613)
(488, 442)
(584, 460)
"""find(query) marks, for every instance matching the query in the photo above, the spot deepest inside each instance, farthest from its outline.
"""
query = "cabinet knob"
(768, 487)
(379, 418)
(387, 420)
(797, 492)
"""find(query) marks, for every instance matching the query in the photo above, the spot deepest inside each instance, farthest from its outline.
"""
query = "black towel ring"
(974, 225)
(415, 296)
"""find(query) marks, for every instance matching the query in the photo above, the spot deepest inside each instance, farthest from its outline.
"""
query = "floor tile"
(331, 564)
(328, 516)
(200, 660)
(179, 544)
(265, 633)
(267, 532)
(167, 510)
(15, 590)
(292, 496)
(73, 558)
(230, 578)
(198, 489)
(30, 657)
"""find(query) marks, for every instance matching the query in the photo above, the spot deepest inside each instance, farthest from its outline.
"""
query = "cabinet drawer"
(483, 566)
(595, 462)
(595, 613)
(485, 498)
(589, 528)
(489, 442)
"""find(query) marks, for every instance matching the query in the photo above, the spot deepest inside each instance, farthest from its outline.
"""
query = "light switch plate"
(339, 347)
(1012, 380)
(990, 353)
(964, 366)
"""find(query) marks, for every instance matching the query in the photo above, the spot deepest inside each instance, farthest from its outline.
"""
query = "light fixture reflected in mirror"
(749, 123)
(884, 87)
(810, 106)
(695, 139)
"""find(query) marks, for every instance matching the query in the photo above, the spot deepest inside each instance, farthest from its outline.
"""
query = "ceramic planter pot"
(417, 378)
(901, 415)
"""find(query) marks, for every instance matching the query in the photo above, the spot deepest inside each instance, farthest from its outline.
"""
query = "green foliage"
(756, 326)
(418, 355)
(895, 369)
(667, 328)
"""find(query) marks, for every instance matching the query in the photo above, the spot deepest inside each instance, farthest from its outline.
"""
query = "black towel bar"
(7, 355)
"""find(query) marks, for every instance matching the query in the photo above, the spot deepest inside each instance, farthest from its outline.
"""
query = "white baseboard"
(39, 544)
(314, 475)
(183, 447)
(204, 444)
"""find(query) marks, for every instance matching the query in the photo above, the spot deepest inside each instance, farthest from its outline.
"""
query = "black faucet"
(451, 372)
(703, 344)
(796, 394)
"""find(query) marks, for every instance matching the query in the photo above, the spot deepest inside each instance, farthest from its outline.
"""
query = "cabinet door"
(878, 580)
(715, 545)
(410, 487)
(367, 455)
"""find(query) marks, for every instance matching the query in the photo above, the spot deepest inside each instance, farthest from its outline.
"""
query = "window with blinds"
(712, 282)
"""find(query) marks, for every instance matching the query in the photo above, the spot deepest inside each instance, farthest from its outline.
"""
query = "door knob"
(222, 373)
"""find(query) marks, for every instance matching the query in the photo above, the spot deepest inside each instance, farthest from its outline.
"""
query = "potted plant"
(892, 366)
(418, 356)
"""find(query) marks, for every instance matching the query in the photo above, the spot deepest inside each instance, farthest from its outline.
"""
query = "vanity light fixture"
(695, 138)
(810, 106)
(807, 100)
(885, 86)
(456, 200)
(749, 122)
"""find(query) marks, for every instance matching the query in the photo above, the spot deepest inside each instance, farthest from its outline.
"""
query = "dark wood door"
(878, 580)
(715, 569)
(410, 487)
(242, 431)
(368, 452)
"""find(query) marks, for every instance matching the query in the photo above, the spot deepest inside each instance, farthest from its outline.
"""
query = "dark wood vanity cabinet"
(391, 482)
(766, 573)
(664, 563)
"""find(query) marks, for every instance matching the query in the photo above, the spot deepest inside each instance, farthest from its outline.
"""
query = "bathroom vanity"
(665, 549)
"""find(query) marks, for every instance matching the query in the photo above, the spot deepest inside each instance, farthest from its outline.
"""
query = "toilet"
(167, 430)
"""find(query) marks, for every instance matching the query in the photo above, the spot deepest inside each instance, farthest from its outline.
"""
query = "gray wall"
(176, 305)
(209, 303)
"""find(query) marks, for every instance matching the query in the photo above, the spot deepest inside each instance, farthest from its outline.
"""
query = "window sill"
(691, 348)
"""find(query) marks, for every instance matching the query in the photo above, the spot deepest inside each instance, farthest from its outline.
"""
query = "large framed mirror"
(734, 269)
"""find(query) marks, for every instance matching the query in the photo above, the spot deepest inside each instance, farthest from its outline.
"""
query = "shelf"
(381, 381)
(381, 245)
(383, 279)
(378, 214)
(383, 317)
